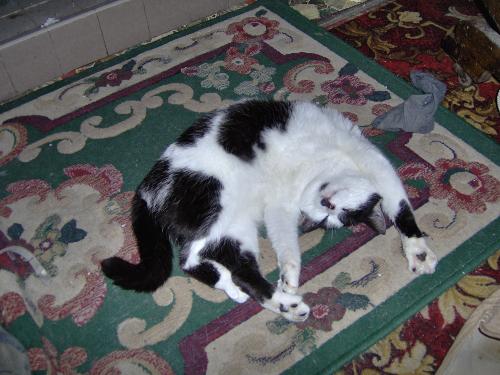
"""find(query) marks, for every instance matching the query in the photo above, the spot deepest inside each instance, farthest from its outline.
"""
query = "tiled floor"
(86, 31)
(57, 36)
(21, 17)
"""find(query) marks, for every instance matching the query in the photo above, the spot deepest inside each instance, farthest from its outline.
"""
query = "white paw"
(421, 259)
(226, 284)
(289, 278)
(290, 306)
(237, 295)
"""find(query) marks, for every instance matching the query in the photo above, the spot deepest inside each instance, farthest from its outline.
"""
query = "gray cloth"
(13, 357)
(416, 114)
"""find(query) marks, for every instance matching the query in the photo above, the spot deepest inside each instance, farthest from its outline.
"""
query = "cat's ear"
(376, 219)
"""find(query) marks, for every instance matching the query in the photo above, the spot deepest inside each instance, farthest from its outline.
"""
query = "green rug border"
(344, 344)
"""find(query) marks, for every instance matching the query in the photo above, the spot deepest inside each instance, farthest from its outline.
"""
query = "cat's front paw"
(290, 306)
(226, 284)
(238, 296)
(421, 259)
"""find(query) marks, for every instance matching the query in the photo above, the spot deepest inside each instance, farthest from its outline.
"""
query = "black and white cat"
(282, 164)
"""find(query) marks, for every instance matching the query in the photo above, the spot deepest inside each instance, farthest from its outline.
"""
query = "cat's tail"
(154, 249)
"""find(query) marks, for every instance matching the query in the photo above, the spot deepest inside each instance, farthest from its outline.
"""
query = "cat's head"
(340, 200)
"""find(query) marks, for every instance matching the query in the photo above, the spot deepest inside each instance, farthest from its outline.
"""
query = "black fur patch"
(192, 205)
(196, 131)
(154, 249)
(360, 215)
(242, 128)
(243, 267)
(157, 176)
(422, 256)
(405, 221)
(205, 272)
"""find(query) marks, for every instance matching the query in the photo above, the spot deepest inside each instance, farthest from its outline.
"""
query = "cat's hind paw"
(421, 259)
(290, 306)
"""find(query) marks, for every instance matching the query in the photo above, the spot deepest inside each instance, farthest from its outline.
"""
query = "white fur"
(193, 257)
(226, 284)
(288, 305)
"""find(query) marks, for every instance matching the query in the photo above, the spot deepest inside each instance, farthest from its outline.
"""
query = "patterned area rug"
(406, 34)
(73, 153)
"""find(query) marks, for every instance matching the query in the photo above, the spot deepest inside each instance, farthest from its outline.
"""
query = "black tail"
(155, 251)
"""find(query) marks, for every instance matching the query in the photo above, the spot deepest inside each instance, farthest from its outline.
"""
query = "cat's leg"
(421, 259)
(395, 203)
(281, 228)
(209, 272)
(217, 276)
(245, 274)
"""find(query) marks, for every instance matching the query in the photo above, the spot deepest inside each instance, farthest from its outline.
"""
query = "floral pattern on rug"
(64, 248)
(72, 157)
(420, 345)
(404, 35)
(328, 305)
(464, 185)
(128, 361)
(115, 77)
(242, 62)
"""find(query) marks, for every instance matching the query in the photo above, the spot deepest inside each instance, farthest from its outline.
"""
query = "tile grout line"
(16, 92)
(102, 33)
(147, 20)
(55, 52)
(24, 8)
